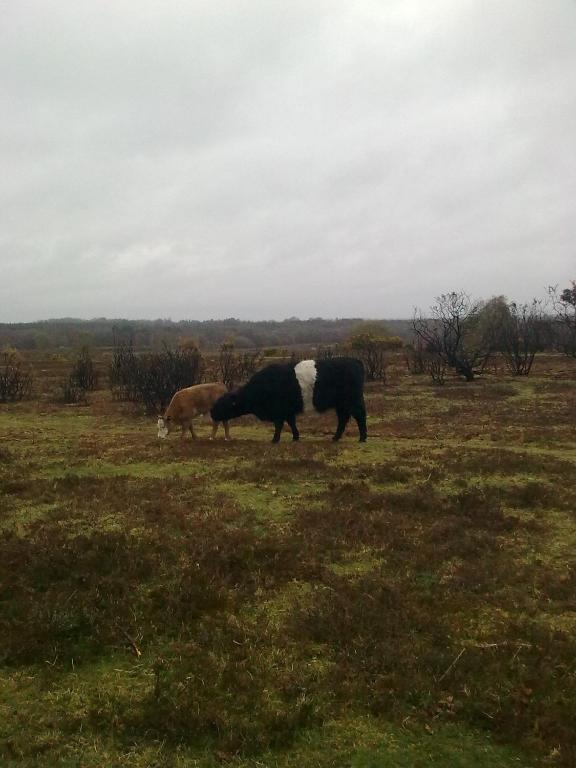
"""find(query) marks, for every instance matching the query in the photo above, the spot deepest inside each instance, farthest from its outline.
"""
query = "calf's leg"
(214, 430)
(226, 431)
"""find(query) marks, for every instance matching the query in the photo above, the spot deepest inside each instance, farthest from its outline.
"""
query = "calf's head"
(163, 427)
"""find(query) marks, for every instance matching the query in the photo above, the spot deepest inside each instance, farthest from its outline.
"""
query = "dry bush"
(236, 367)
(153, 378)
(521, 334)
(415, 357)
(15, 377)
(84, 375)
(455, 336)
(71, 394)
(564, 327)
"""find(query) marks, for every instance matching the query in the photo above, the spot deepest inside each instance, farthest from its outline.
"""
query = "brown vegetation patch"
(499, 461)
(65, 596)
(278, 469)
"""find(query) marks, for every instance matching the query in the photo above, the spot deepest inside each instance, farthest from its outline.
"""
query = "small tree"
(248, 363)
(415, 357)
(153, 378)
(371, 350)
(521, 335)
(455, 334)
(234, 367)
(71, 393)
(15, 377)
(123, 371)
(326, 352)
(160, 374)
(84, 375)
(370, 342)
(564, 306)
(227, 363)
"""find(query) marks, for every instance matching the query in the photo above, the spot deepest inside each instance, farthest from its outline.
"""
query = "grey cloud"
(265, 159)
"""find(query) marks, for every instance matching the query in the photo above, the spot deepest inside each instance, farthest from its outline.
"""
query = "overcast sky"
(262, 159)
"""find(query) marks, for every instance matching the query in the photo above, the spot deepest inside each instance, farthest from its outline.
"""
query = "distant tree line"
(152, 359)
(208, 334)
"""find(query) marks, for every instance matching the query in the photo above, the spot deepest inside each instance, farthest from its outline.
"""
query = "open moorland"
(406, 602)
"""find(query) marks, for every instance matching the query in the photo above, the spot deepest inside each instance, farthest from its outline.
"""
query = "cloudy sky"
(265, 158)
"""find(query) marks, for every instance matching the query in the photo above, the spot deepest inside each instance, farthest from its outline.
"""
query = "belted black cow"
(281, 391)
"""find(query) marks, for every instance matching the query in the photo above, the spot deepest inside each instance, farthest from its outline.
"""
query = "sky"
(258, 159)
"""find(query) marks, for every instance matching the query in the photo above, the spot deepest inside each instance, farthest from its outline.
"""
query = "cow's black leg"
(359, 414)
(343, 419)
(277, 431)
(292, 424)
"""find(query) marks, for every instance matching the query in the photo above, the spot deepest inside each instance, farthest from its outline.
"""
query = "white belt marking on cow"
(306, 374)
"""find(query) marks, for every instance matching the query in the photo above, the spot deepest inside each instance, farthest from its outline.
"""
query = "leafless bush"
(325, 353)
(152, 378)
(15, 378)
(123, 372)
(248, 363)
(435, 366)
(415, 357)
(71, 393)
(84, 375)
(454, 334)
(236, 367)
(521, 335)
(371, 348)
(564, 327)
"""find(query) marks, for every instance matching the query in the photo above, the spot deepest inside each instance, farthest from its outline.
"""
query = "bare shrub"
(521, 335)
(161, 374)
(84, 375)
(455, 334)
(236, 367)
(152, 378)
(435, 366)
(248, 363)
(325, 353)
(415, 357)
(564, 327)
(123, 371)
(370, 343)
(15, 377)
(71, 393)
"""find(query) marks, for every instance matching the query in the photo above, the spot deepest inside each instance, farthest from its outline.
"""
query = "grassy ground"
(407, 602)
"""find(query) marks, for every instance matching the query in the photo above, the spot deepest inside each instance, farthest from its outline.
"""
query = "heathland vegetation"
(405, 602)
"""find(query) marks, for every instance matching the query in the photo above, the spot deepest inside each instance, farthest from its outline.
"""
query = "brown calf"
(189, 403)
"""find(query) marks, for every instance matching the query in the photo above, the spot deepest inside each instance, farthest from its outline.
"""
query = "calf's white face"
(162, 428)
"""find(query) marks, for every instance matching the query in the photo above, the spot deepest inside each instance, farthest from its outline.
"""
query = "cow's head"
(229, 406)
(163, 427)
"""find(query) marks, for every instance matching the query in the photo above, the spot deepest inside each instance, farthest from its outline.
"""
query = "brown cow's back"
(193, 401)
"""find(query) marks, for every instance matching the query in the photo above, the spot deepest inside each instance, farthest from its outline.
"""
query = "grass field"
(403, 603)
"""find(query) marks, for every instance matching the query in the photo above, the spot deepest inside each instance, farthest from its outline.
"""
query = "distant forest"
(209, 334)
